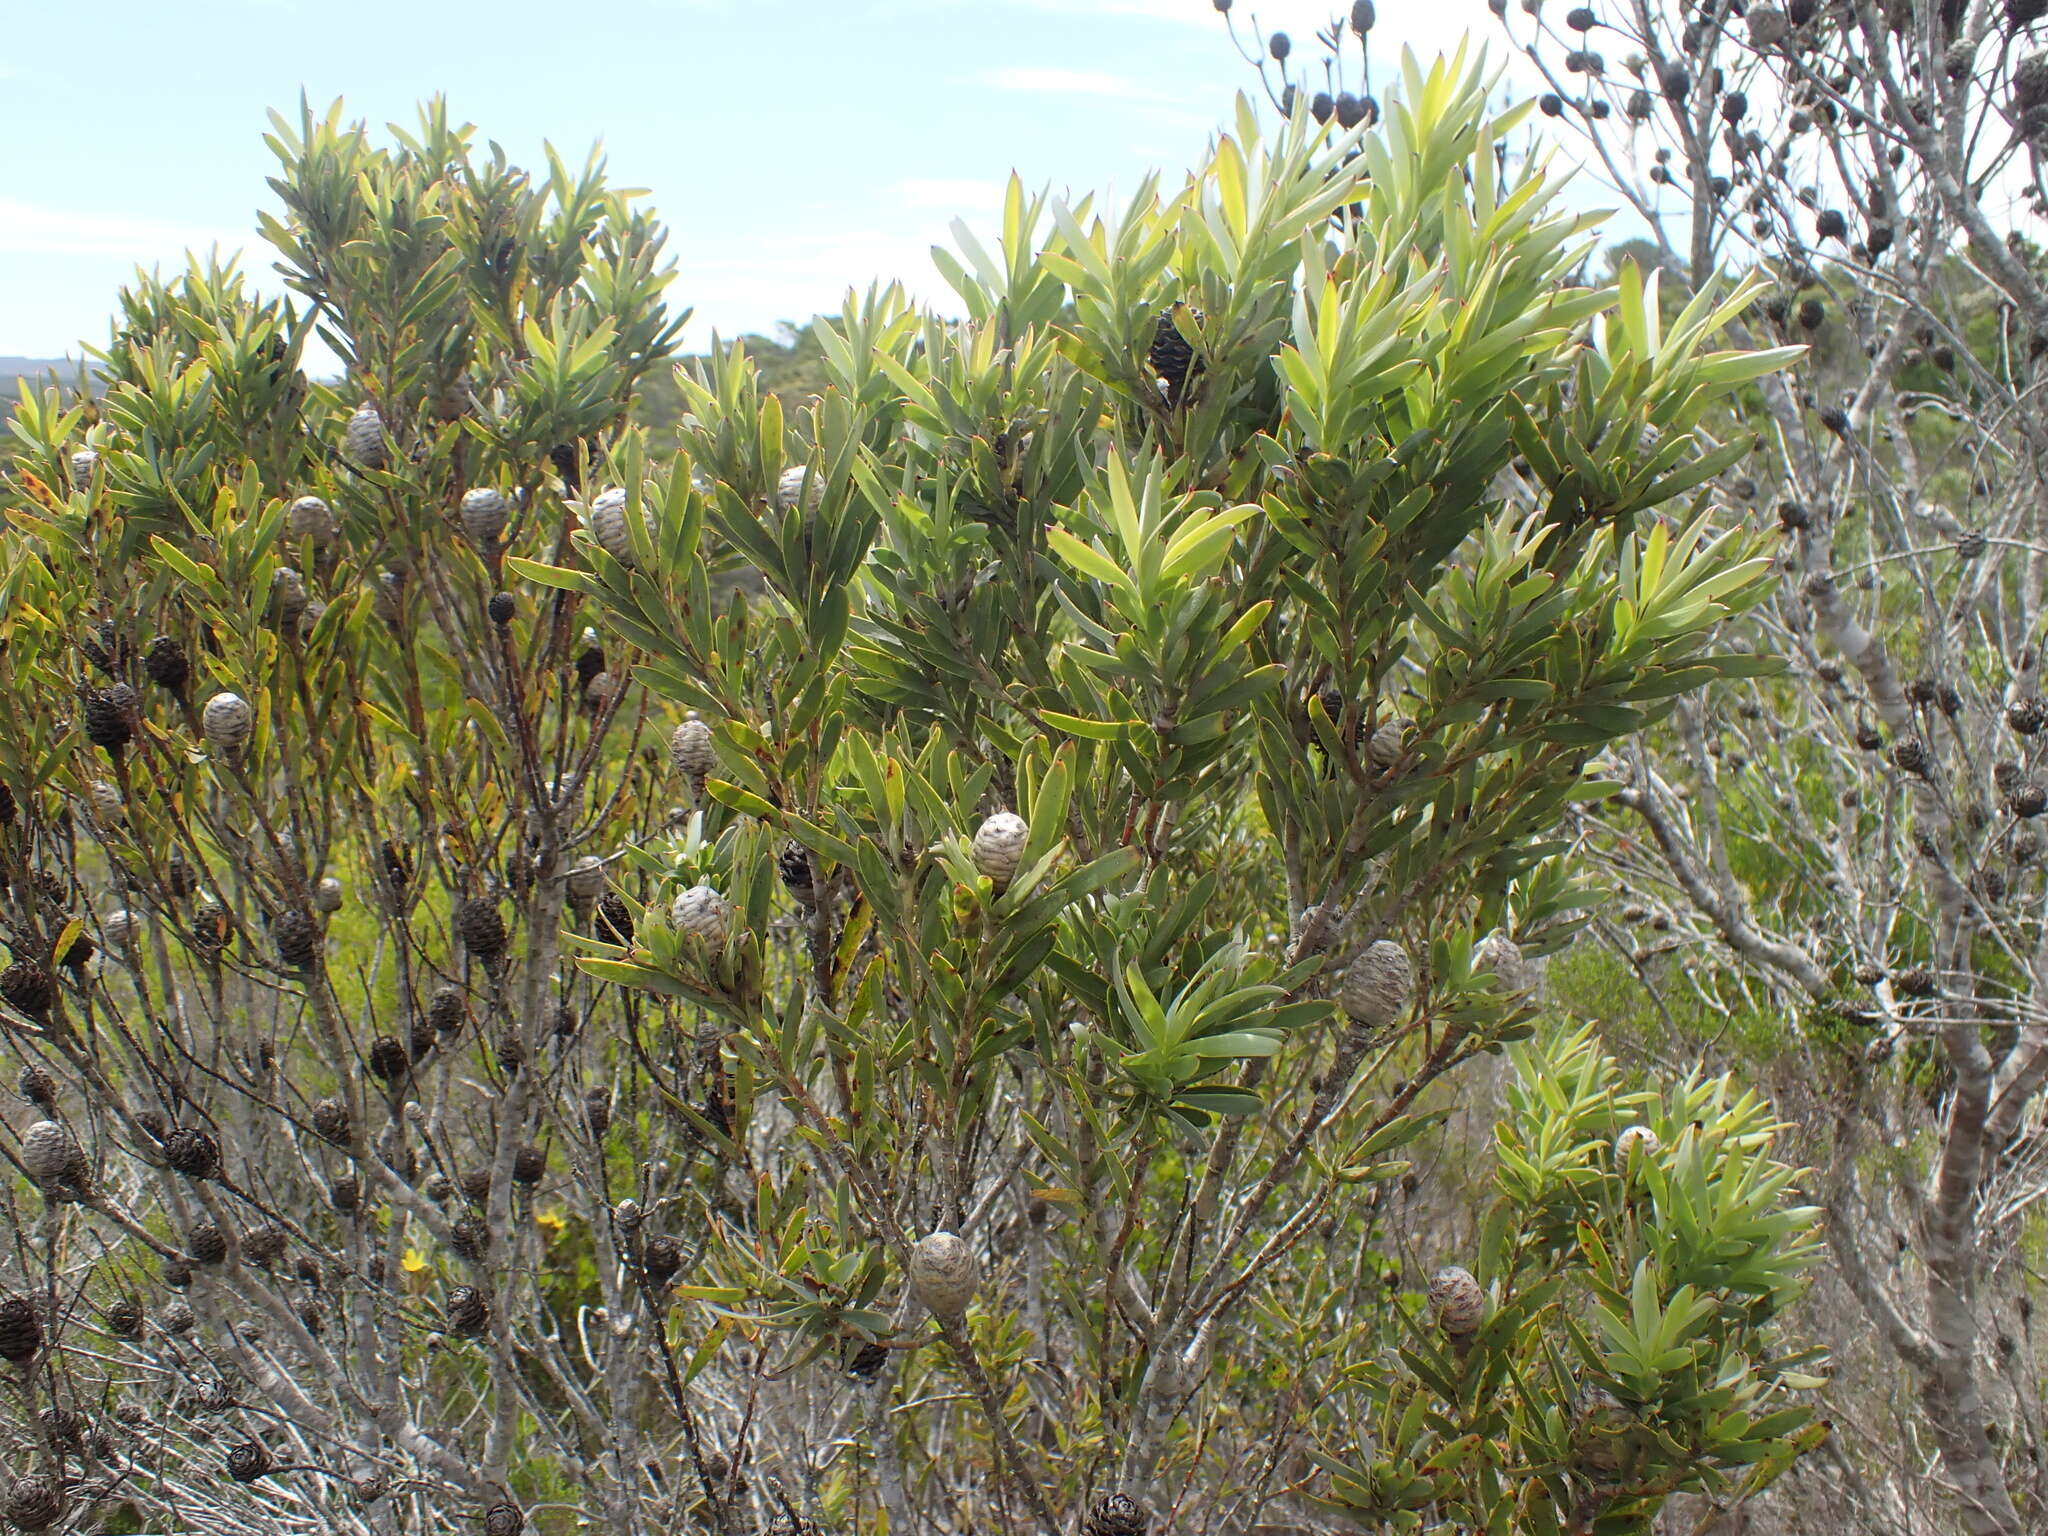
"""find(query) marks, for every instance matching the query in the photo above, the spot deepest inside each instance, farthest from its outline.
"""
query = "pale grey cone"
(1377, 985)
(364, 438)
(999, 846)
(1457, 1301)
(703, 914)
(943, 1274)
(227, 720)
(484, 515)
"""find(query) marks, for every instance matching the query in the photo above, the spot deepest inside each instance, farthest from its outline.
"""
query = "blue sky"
(795, 147)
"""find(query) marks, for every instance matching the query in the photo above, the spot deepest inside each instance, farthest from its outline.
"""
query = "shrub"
(880, 964)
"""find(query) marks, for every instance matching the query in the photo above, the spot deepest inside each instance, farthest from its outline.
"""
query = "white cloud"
(1067, 82)
(951, 195)
(1303, 16)
(27, 229)
(749, 285)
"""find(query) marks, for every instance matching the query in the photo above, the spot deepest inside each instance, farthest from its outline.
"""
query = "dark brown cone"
(297, 938)
(504, 1519)
(2030, 85)
(192, 1153)
(77, 955)
(397, 867)
(123, 1317)
(529, 1165)
(206, 1244)
(330, 1121)
(206, 1394)
(92, 650)
(481, 929)
(21, 1331)
(248, 1461)
(1115, 1514)
(1915, 981)
(1172, 359)
(26, 987)
(470, 1237)
(263, 1245)
(37, 1086)
(211, 927)
(469, 1315)
(166, 664)
(33, 1503)
(597, 1111)
(447, 1010)
(614, 920)
(867, 1360)
(793, 864)
(106, 717)
(660, 1260)
(476, 1185)
(387, 1059)
(65, 1429)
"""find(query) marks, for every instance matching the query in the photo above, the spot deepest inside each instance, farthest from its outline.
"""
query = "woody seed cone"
(703, 914)
(1377, 985)
(943, 1274)
(1116, 1514)
(609, 526)
(51, 1156)
(692, 754)
(484, 513)
(364, 438)
(999, 846)
(312, 519)
(1638, 1141)
(1457, 1301)
(227, 721)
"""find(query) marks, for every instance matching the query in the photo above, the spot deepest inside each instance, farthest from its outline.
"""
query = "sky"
(795, 147)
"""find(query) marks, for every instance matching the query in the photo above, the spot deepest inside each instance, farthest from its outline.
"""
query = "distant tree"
(790, 365)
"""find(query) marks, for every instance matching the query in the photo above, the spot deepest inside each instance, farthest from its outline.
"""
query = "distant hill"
(38, 369)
